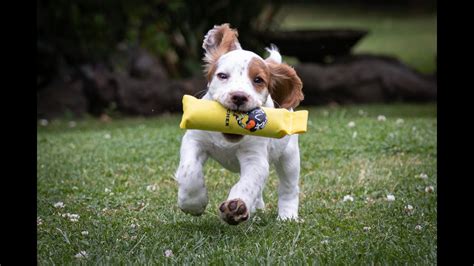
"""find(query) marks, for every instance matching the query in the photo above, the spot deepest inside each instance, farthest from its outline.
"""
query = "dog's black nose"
(239, 98)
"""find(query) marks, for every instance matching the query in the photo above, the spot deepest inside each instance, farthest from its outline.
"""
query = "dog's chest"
(226, 153)
(227, 157)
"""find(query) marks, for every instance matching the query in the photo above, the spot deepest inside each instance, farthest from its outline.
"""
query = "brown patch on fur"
(258, 68)
(218, 41)
(285, 86)
(211, 71)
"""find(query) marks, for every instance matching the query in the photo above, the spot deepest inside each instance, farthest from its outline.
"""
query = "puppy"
(241, 80)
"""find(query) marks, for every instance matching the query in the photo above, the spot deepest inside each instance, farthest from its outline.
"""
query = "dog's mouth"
(232, 137)
(238, 108)
(244, 107)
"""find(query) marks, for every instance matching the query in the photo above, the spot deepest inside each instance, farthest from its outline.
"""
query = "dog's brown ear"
(285, 87)
(217, 42)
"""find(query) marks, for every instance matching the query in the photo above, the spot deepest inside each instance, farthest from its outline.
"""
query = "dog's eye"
(258, 80)
(222, 76)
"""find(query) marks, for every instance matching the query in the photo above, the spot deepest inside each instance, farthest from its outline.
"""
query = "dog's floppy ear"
(217, 42)
(285, 85)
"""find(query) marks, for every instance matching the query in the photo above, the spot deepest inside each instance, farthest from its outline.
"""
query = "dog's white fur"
(251, 156)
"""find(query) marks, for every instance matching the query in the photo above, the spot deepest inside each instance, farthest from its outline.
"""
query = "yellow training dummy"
(264, 122)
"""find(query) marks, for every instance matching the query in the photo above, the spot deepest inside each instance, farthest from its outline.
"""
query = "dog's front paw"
(192, 205)
(193, 210)
(233, 211)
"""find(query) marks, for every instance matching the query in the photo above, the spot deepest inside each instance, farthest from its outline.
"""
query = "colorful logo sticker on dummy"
(256, 119)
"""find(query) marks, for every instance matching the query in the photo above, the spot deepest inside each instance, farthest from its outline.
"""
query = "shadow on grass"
(211, 225)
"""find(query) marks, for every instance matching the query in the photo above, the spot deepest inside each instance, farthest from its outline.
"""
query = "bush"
(75, 32)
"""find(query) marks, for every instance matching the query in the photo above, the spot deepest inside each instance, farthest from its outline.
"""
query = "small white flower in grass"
(168, 253)
(107, 190)
(354, 135)
(107, 136)
(409, 209)
(59, 204)
(381, 118)
(418, 227)
(72, 124)
(325, 242)
(72, 217)
(151, 187)
(347, 198)
(423, 176)
(367, 228)
(43, 122)
(133, 226)
(400, 121)
(85, 233)
(81, 255)
(429, 189)
(351, 124)
(390, 197)
(39, 221)
(369, 200)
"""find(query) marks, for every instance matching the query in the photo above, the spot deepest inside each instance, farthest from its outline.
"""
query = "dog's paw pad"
(233, 211)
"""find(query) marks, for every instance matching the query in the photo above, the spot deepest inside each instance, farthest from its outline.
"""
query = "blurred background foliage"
(71, 33)
(89, 31)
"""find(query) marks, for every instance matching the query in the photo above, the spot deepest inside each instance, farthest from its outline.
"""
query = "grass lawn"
(404, 34)
(118, 177)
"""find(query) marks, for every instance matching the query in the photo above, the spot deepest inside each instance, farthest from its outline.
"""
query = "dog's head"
(242, 80)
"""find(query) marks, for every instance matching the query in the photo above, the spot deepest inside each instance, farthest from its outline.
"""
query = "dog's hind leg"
(288, 170)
